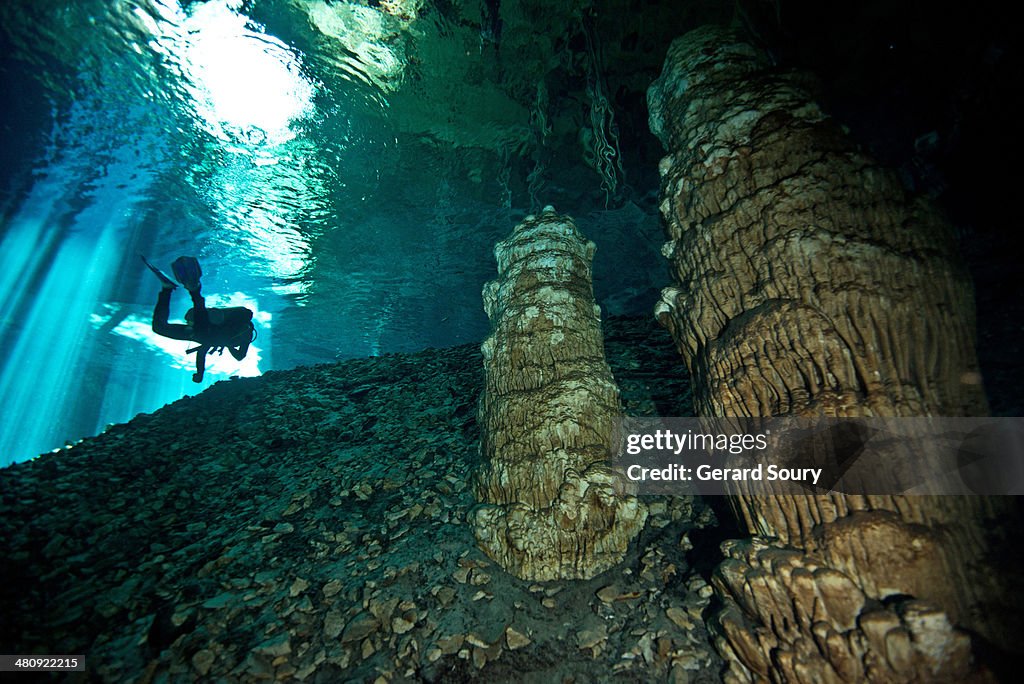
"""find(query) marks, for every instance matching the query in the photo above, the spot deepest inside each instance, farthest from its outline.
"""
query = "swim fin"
(168, 283)
(187, 271)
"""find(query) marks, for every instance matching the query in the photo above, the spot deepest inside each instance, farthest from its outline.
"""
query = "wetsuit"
(233, 332)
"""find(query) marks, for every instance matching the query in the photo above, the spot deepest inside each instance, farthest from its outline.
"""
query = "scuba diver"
(213, 329)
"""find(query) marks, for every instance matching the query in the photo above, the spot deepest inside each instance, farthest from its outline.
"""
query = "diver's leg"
(162, 310)
(201, 318)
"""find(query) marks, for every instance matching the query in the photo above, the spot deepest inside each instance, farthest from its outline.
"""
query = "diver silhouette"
(214, 329)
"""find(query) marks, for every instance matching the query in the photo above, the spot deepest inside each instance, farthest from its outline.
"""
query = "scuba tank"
(236, 320)
(229, 327)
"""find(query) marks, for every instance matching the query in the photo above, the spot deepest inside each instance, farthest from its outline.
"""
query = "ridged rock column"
(809, 284)
(550, 506)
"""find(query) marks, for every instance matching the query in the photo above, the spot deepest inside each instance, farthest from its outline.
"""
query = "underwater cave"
(515, 340)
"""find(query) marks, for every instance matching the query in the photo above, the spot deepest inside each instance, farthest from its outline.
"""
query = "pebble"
(451, 644)
(334, 622)
(474, 640)
(399, 625)
(298, 586)
(445, 595)
(202, 660)
(361, 626)
(275, 646)
(589, 638)
(679, 617)
(515, 639)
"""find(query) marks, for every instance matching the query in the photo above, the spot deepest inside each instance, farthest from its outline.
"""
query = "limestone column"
(550, 507)
(808, 283)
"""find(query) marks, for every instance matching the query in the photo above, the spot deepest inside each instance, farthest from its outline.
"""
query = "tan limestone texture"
(788, 617)
(808, 283)
(550, 506)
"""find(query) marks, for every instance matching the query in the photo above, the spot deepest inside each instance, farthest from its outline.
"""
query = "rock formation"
(808, 283)
(551, 509)
(789, 617)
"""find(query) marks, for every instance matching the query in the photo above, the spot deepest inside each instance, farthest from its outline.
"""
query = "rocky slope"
(309, 525)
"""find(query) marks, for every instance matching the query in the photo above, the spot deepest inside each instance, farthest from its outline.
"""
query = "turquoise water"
(291, 147)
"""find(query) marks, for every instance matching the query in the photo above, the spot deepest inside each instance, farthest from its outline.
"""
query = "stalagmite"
(809, 284)
(550, 507)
